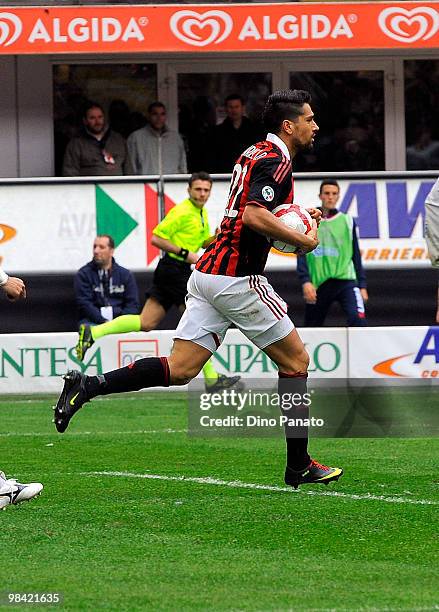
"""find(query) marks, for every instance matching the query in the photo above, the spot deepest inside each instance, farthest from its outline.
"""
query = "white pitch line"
(92, 433)
(238, 484)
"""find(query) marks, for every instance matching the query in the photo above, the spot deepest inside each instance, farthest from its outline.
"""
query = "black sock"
(149, 372)
(296, 437)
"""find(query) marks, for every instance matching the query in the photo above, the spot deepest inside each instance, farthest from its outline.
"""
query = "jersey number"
(236, 187)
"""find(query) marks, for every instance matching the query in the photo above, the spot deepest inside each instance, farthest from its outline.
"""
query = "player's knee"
(296, 364)
(148, 323)
(302, 362)
(145, 326)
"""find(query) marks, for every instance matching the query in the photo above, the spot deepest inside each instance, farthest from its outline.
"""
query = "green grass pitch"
(118, 542)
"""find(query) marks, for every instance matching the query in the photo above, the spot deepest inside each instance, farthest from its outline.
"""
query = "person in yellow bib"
(181, 234)
(333, 272)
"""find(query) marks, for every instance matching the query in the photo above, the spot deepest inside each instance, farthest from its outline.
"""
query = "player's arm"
(13, 287)
(208, 238)
(72, 159)
(358, 265)
(169, 247)
(309, 291)
(262, 221)
(207, 242)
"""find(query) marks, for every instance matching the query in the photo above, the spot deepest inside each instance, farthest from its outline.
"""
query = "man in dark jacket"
(98, 151)
(104, 289)
(232, 136)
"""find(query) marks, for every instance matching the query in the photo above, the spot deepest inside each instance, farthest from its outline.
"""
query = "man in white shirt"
(155, 149)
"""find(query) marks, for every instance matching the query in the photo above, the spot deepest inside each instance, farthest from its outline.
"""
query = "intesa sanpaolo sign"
(217, 27)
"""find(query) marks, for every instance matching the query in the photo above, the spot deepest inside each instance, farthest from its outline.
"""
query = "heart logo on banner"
(10, 28)
(201, 29)
(409, 25)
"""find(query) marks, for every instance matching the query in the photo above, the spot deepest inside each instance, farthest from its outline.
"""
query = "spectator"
(155, 149)
(119, 117)
(233, 135)
(423, 154)
(432, 231)
(98, 151)
(104, 290)
(333, 272)
(199, 132)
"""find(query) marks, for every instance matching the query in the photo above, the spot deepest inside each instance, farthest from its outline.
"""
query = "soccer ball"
(295, 217)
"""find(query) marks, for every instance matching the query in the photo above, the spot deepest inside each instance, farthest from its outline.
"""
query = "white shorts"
(216, 302)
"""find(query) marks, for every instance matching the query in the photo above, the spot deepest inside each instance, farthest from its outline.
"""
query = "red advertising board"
(218, 27)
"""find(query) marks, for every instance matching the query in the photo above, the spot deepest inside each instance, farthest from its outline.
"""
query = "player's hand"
(309, 293)
(14, 288)
(310, 240)
(192, 258)
(315, 214)
(364, 295)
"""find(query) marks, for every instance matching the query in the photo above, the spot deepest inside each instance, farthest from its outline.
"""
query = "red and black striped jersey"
(262, 176)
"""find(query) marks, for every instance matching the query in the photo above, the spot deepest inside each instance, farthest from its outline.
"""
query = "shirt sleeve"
(132, 152)
(206, 234)
(72, 160)
(169, 225)
(131, 302)
(127, 166)
(270, 182)
(356, 258)
(302, 269)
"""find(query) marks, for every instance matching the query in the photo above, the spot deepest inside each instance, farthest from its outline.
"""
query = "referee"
(181, 234)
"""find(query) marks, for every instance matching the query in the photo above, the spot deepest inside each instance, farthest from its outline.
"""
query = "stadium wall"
(34, 363)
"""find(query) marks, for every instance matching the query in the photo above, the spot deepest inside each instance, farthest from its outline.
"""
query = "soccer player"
(334, 271)
(181, 234)
(227, 286)
(11, 491)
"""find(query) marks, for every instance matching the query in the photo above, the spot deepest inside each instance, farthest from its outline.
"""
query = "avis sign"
(395, 353)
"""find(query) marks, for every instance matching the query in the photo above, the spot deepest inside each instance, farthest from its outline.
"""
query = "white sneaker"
(13, 492)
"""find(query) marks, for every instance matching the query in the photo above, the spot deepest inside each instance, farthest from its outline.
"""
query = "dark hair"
(88, 105)
(199, 176)
(329, 182)
(284, 104)
(234, 97)
(154, 105)
(110, 239)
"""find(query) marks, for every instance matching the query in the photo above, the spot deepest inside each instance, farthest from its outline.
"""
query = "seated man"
(180, 235)
(104, 289)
